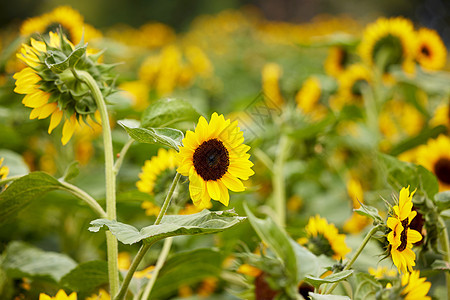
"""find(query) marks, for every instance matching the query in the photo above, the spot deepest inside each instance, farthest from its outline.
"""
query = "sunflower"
(214, 157)
(415, 287)
(271, 74)
(324, 238)
(70, 20)
(102, 295)
(138, 92)
(357, 222)
(336, 61)
(59, 95)
(308, 98)
(401, 237)
(435, 156)
(382, 272)
(431, 51)
(441, 116)
(60, 295)
(351, 83)
(389, 42)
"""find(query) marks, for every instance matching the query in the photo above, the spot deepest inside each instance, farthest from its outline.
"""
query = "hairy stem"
(121, 155)
(445, 244)
(111, 241)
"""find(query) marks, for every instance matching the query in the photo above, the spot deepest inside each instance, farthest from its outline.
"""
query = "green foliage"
(167, 112)
(204, 222)
(335, 277)
(23, 260)
(315, 296)
(59, 63)
(370, 212)
(86, 276)
(71, 171)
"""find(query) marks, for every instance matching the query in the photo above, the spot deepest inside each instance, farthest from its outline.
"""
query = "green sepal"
(336, 277)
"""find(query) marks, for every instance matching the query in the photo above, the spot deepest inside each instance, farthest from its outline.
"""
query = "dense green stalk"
(445, 244)
(278, 180)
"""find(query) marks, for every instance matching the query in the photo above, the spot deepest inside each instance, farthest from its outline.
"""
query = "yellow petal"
(213, 189)
(413, 236)
(35, 113)
(55, 120)
(232, 183)
(68, 129)
(224, 195)
(44, 297)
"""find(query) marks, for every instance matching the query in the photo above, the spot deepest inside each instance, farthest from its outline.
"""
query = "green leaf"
(442, 200)
(336, 277)
(186, 268)
(445, 213)
(166, 112)
(164, 136)
(370, 212)
(297, 260)
(415, 141)
(86, 276)
(313, 129)
(58, 63)
(23, 190)
(71, 171)
(314, 296)
(14, 162)
(23, 260)
(204, 222)
(440, 265)
(402, 174)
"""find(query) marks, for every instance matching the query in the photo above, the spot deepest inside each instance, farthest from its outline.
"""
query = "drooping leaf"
(370, 212)
(166, 112)
(23, 260)
(445, 213)
(59, 64)
(442, 200)
(336, 277)
(186, 268)
(204, 222)
(164, 136)
(22, 191)
(71, 171)
(314, 296)
(441, 265)
(86, 276)
(297, 260)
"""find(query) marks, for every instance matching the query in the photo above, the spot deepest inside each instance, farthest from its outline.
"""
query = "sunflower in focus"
(431, 51)
(215, 159)
(389, 42)
(58, 95)
(435, 156)
(351, 84)
(70, 20)
(401, 238)
(60, 295)
(336, 61)
(324, 238)
(415, 287)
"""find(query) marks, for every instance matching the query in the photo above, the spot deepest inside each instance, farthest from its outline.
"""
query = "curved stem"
(144, 248)
(278, 182)
(357, 253)
(110, 178)
(445, 244)
(159, 264)
(121, 155)
(76, 191)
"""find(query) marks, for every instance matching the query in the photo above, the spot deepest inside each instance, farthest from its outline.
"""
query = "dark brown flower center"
(403, 236)
(442, 170)
(211, 160)
(425, 51)
(343, 58)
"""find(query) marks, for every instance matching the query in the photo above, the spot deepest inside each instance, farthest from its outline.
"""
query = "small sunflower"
(415, 287)
(336, 61)
(70, 20)
(308, 97)
(389, 42)
(58, 94)
(351, 82)
(431, 51)
(324, 238)
(435, 156)
(215, 158)
(401, 238)
(60, 295)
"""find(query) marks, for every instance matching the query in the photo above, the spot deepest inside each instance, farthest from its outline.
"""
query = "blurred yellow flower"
(415, 287)
(4, 170)
(382, 272)
(138, 92)
(431, 51)
(151, 209)
(61, 295)
(249, 270)
(102, 295)
(271, 74)
(357, 222)
(308, 97)
(336, 61)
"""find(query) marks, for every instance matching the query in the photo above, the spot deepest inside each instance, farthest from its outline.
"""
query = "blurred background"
(179, 13)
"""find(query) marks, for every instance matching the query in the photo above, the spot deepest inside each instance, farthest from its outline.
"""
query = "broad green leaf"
(336, 277)
(445, 213)
(22, 191)
(441, 265)
(59, 64)
(297, 260)
(71, 171)
(314, 296)
(14, 162)
(402, 174)
(23, 260)
(204, 222)
(186, 268)
(370, 212)
(367, 286)
(86, 276)
(442, 200)
(164, 136)
(166, 112)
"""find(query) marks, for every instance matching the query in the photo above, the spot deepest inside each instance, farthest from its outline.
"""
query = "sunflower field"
(243, 158)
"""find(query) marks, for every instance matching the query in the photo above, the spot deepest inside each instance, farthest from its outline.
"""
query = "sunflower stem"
(159, 264)
(121, 155)
(144, 248)
(357, 253)
(111, 241)
(445, 244)
(278, 182)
